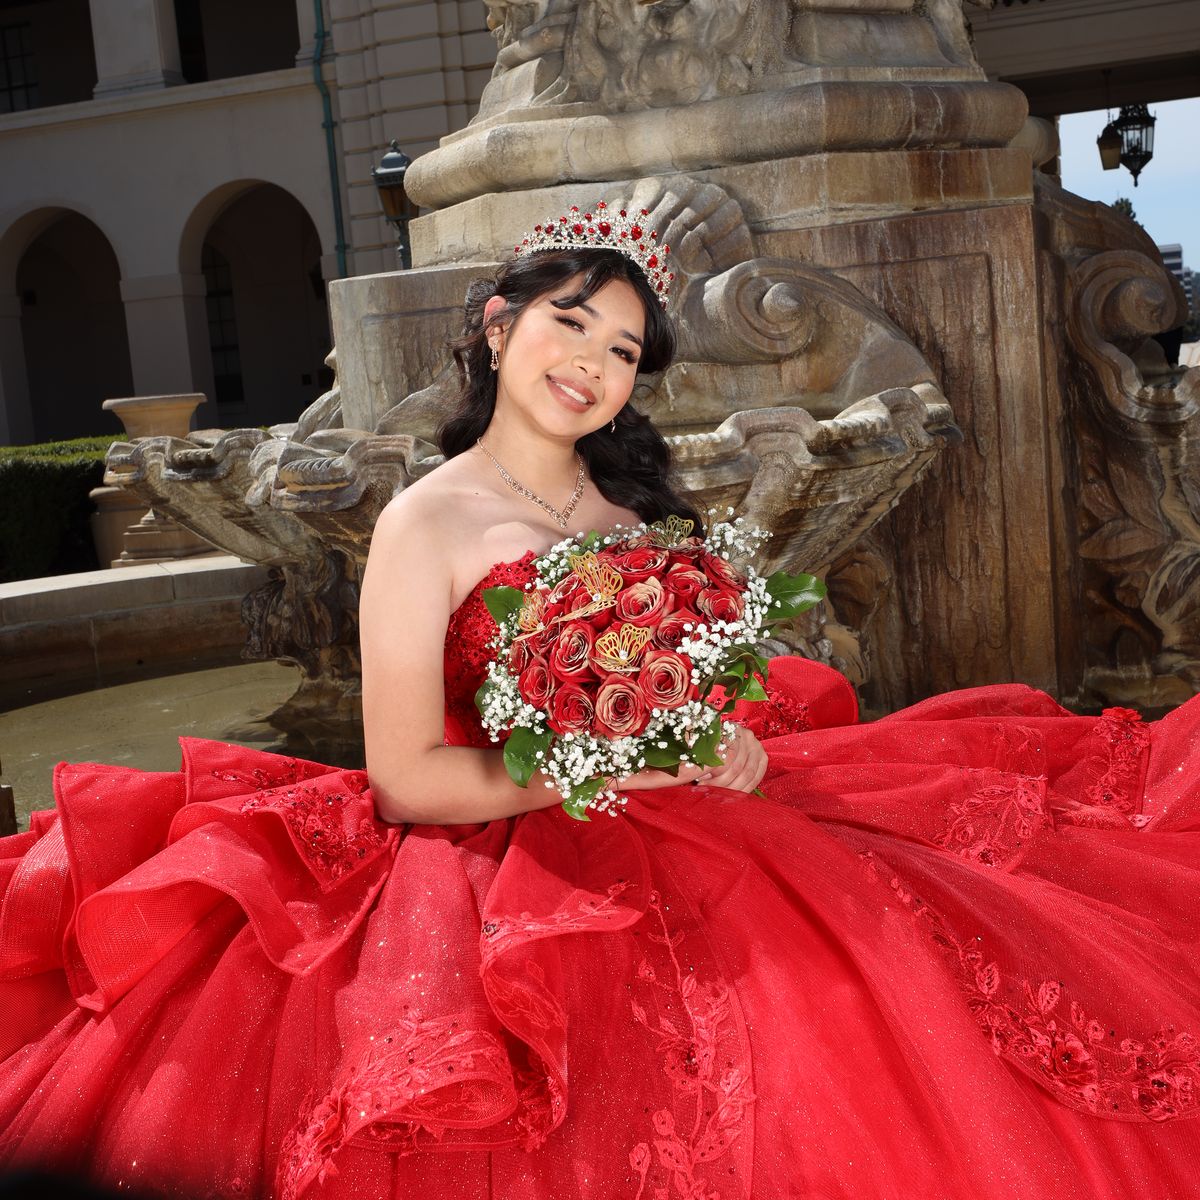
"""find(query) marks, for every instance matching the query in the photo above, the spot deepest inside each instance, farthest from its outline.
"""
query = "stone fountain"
(859, 233)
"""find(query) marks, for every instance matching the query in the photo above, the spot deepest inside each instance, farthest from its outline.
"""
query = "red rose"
(568, 594)
(569, 657)
(685, 583)
(641, 603)
(639, 563)
(620, 708)
(671, 632)
(601, 620)
(553, 611)
(520, 654)
(720, 604)
(571, 710)
(720, 572)
(536, 683)
(666, 679)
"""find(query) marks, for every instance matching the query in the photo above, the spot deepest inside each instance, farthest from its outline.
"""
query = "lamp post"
(397, 207)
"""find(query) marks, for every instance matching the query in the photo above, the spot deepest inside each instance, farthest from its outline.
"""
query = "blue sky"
(1167, 197)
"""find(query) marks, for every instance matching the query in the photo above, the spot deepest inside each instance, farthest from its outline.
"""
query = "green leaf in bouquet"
(734, 671)
(502, 602)
(521, 753)
(481, 694)
(582, 794)
(704, 748)
(746, 653)
(792, 594)
(664, 757)
(753, 690)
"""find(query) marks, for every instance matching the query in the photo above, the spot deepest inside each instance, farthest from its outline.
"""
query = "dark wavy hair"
(631, 467)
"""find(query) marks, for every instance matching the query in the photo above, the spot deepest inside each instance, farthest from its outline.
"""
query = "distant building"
(1172, 256)
(173, 199)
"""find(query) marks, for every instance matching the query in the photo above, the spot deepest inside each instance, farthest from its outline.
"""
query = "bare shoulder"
(424, 513)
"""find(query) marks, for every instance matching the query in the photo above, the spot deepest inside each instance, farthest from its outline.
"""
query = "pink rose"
(666, 679)
(641, 603)
(536, 684)
(720, 604)
(640, 563)
(569, 657)
(520, 655)
(685, 583)
(721, 573)
(671, 632)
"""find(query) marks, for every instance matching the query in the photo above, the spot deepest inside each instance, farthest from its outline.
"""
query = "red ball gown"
(952, 955)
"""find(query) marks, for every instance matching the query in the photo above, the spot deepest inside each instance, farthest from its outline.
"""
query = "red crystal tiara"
(605, 229)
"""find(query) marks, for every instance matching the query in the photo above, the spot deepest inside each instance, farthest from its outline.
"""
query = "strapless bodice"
(467, 652)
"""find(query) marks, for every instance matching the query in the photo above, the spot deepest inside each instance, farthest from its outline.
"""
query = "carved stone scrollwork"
(1121, 298)
(1137, 428)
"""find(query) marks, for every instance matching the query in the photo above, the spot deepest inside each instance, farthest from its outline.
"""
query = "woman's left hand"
(743, 761)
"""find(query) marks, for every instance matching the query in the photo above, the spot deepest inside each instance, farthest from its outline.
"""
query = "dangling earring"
(613, 425)
(495, 358)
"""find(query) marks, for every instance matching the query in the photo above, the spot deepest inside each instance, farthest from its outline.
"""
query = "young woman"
(949, 955)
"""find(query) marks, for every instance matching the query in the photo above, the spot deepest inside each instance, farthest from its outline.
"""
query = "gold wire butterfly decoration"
(601, 581)
(672, 531)
(619, 649)
(530, 618)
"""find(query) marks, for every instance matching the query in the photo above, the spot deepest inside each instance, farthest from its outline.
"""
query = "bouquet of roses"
(626, 650)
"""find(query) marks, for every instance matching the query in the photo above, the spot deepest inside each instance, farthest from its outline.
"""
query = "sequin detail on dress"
(583, 912)
(1113, 801)
(779, 714)
(992, 826)
(334, 831)
(1037, 1026)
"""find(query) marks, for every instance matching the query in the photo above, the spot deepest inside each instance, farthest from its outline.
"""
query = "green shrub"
(44, 506)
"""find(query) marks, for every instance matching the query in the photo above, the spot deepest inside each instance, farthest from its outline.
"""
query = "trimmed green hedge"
(44, 506)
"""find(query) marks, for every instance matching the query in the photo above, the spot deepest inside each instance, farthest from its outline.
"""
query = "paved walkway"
(138, 724)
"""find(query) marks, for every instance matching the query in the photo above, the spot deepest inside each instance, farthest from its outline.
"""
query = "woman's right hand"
(743, 764)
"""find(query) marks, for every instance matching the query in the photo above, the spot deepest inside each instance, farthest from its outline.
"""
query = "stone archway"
(64, 346)
(259, 253)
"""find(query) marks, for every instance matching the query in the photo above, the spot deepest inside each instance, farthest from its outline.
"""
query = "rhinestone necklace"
(561, 517)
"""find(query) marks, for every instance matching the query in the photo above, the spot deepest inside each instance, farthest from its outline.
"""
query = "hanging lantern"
(1109, 144)
(1136, 127)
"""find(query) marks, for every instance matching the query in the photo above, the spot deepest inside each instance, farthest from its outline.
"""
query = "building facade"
(180, 178)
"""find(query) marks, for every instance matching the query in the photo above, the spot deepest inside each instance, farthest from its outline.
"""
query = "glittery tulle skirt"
(952, 955)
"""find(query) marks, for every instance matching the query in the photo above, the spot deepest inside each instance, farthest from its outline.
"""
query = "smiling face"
(569, 371)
